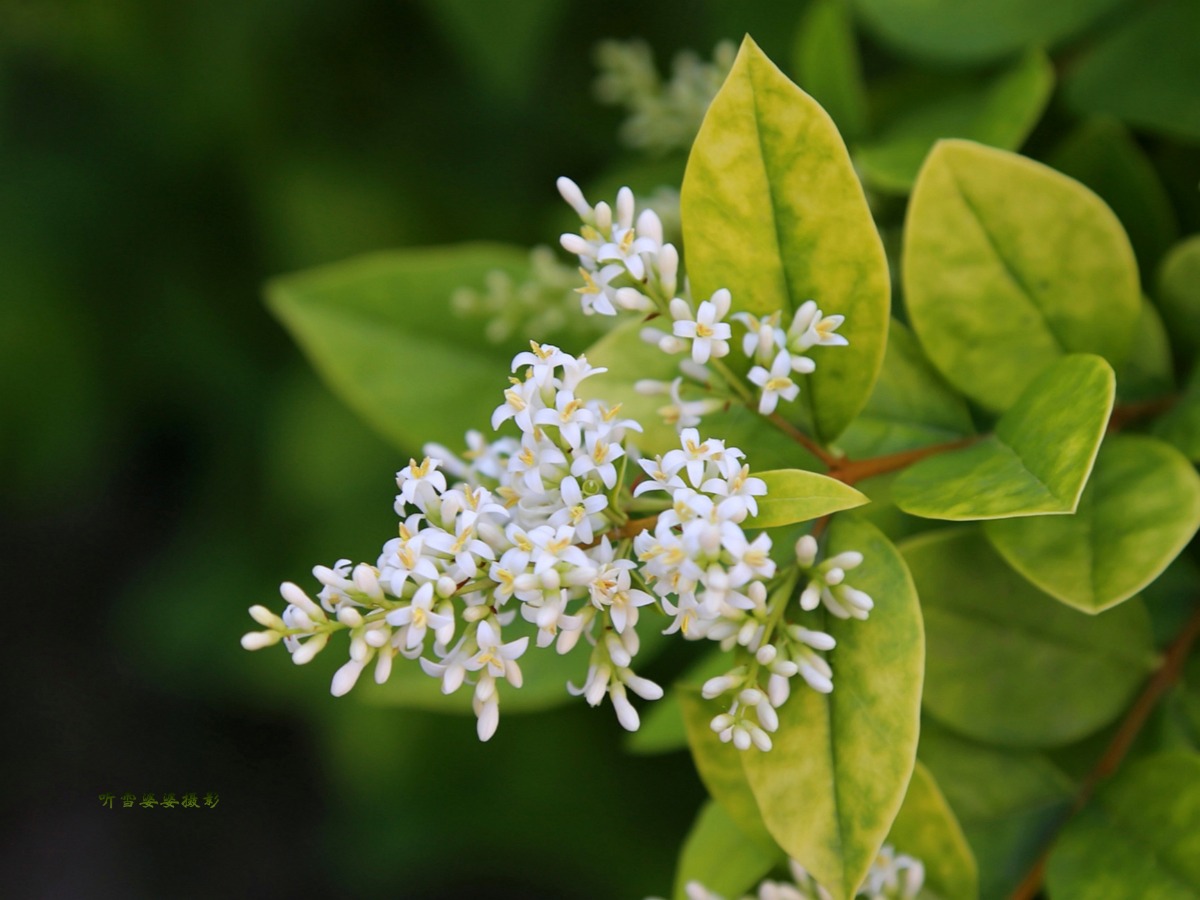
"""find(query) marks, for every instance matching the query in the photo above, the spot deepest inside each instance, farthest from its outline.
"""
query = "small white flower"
(775, 383)
(708, 334)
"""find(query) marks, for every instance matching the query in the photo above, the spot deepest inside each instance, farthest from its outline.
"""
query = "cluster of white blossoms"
(536, 526)
(782, 649)
(892, 876)
(626, 266)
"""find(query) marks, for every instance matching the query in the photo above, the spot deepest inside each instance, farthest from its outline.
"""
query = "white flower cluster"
(523, 525)
(627, 266)
(536, 525)
(663, 116)
(778, 354)
(892, 877)
(784, 649)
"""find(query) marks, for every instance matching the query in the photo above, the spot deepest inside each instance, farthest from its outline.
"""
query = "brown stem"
(1166, 675)
(851, 472)
(826, 458)
(1128, 413)
(633, 527)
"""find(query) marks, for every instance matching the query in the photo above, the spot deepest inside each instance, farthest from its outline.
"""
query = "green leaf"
(1008, 266)
(1006, 663)
(1178, 294)
(1101, 154)
(377, 327)
(630, 359)
(979, 31)
(910, 407)
(794, 495)
(1000, 113)
(773, 211)
(1009, 803)
(1139, 836)
(926, 829)
(833, 782)
(1139, 510)
(719, 765)
(722, 857)
(1145, 72)
(1180, 425)
(1037, 461)
(827, 65)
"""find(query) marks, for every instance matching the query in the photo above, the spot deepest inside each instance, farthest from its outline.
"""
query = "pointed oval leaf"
(1009, 665)
(926, 829)
(722, 857)
(1008, 266)
(376, 327)
(1148, 374)
(999, 113)
(1139, 510)
(795, 495)
(911, 406)
(830, 787)
(1139, 837)
(773, 211)
(1037, 461)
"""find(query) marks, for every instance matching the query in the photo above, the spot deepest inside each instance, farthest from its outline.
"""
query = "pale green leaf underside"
(795, 495)
(1139, 510)
(379, 330)
(1139, 837)
(1008, 266)
(831, 786)
(773, 211)
(722, 857)
(1008, 664)
(926, 829)
(1000, 114)
(1037, 461)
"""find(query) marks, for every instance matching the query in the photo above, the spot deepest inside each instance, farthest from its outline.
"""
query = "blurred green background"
(169, 458)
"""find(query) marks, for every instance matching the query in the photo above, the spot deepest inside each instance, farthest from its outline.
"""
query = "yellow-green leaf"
(926, 829)
(1139, 510)
(1037, 461)
(773, 211)
(795, 495)
(1008, 266)
(831, 786)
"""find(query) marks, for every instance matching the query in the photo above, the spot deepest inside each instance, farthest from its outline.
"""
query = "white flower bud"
(718, 685)
(766, 654)
(345, 678)
(806, 550)
(309, 649)
(643, 687)
(741, 737)
(767, 717)
(722, 722)
(778, 689)
(265, 617)
(446, 586)
(834, 576)
(810, 599)
(626, 714)
(350, 616)
(256, 640)
(761, 739)
(570, 192)
(383, 666)
(489, 718)
(750, 697)
(294, 595)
